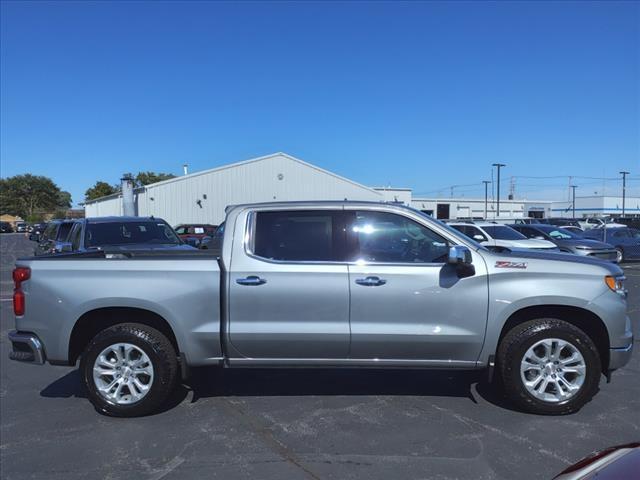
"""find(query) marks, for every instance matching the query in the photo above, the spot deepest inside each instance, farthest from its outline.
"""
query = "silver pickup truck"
(330, 284)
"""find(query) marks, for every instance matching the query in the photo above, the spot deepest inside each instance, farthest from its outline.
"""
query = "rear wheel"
(129, 370)
(549, 366)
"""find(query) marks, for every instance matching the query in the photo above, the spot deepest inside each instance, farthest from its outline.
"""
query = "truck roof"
(316, 203)
(121, 219)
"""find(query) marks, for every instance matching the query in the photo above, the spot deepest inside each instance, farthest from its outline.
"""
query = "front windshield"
(129, 233)
(560, 233)
(502, 232)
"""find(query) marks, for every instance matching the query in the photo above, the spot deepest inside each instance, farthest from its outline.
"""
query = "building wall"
(597, 206)
(203, 196)
(470, 207)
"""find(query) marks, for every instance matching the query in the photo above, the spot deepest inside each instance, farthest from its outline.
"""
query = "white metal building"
(202, 197)
(597, 206)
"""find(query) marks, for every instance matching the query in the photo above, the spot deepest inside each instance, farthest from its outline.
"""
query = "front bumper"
(619, 357)
(27, 347)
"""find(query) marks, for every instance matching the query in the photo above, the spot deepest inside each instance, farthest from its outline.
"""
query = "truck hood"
(523, 244)
(591, 244)
(553, 261)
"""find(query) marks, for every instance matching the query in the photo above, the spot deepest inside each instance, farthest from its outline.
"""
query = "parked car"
(599, 222)
(193, 234)
(575, 230)
(626, 240)
(613, 463)
(50, 240)
(21, 227)
(36, 230)
(630, 222)
(569, 242)
(501, 237)
(562, 222)
(5, 227)
(213, 242)
(330, 284)
(122, 233)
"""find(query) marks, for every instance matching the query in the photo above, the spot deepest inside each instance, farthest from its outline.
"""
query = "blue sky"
(422, 95)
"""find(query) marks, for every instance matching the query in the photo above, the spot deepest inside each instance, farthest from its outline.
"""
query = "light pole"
(499, 166)
(486, 196)
(624, 189)
(573, 201)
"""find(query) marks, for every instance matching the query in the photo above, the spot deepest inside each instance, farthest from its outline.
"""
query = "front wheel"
(549, 366)
(129, 370)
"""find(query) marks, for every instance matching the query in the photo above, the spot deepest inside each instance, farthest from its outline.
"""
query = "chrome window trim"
(249, 238)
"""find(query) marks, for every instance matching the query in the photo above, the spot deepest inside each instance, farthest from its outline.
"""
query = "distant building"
(202, 197)
(12, 219)
(597, 206)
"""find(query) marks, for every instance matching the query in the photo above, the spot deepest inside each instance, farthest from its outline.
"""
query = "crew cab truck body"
(327, 284)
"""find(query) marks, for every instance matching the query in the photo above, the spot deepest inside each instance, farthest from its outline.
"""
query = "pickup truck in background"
(325, 284)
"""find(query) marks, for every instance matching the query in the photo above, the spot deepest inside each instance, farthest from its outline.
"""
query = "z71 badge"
(504, 264)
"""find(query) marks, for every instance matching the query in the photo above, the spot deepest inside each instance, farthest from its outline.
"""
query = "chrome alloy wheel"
(553, 370)
(123, 373)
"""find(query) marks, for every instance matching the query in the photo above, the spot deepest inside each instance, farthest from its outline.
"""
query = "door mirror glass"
(33, 237)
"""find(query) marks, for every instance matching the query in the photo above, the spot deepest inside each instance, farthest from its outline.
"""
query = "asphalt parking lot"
(307, 424)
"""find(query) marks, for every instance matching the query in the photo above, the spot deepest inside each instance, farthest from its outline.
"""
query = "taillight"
(20, 274)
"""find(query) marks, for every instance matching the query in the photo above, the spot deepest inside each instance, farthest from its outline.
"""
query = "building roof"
(233, 165)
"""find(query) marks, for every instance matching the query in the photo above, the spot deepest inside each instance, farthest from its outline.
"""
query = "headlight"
(616, 284)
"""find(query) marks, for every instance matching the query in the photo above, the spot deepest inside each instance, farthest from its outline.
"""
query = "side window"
(391, 238)
(63, 231)
(50, 232)
(298, 235)
(74, 237)
(621, 234)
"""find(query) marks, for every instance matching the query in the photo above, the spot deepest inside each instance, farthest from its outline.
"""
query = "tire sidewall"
(588, 352)
(161, 372)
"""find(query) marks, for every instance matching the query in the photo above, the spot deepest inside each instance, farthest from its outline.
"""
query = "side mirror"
(459, 255)
(33, 237)
(64, 247)
(479, 238)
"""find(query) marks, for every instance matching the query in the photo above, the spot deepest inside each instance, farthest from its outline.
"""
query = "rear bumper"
(619, 357)
(26, 347)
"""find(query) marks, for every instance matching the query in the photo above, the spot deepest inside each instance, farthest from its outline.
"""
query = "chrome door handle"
(371, 281)
(251, 280)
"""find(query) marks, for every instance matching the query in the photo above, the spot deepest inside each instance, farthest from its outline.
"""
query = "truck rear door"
(288, 291)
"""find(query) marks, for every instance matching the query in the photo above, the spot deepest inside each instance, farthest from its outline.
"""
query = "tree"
(147, 178)
(100, 189)
(28, 196)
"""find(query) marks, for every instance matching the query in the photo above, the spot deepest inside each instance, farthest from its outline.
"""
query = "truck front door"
(288, 291)
(407, 303)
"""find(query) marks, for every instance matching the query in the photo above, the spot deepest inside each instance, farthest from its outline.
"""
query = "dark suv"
(52, 237)
(122, 233)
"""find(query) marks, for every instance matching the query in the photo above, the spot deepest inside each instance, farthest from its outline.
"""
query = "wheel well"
(585, 320)
(93, 322)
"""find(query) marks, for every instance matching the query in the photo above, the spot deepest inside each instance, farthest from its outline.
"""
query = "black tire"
(516, 343)
(163, 358)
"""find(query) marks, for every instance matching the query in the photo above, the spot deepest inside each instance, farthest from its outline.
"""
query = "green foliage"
(31, 195)
(147, 178)
(100, 189)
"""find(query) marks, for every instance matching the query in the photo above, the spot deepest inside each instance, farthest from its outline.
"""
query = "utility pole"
(486, 196)
(499, 166)
(624, 189)
(573, 201)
